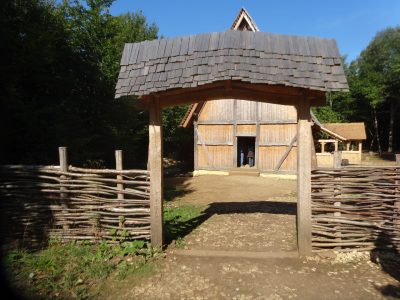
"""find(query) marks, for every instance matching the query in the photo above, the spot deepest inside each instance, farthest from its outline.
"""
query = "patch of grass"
(69, 270)
(181, 220)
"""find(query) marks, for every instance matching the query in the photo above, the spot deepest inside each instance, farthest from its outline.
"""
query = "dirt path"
(203, 190)
(253, 214)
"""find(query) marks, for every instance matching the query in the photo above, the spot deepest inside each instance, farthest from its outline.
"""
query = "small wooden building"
(349, 135)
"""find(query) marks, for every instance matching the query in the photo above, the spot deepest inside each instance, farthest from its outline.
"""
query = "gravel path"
(259, 218)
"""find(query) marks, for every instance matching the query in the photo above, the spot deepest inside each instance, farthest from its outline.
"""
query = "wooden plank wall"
(270, 155)
(218, 129)
(221, 157)
(215, 134)
(218, 110)
(246, 130)
(277, 134)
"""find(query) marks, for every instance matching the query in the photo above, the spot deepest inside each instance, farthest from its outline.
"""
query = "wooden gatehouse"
(246, 65)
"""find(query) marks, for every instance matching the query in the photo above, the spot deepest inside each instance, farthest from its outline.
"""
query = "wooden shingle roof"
(253, 57)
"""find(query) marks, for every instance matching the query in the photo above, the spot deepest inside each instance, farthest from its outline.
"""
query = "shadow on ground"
(387, 256)
(176, 187)
(178, 227)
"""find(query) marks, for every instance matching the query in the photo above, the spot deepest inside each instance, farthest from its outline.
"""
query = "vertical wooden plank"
(62, 152)
(314, 164)
(156, 173)
(235, 150)
(256, 150)
(195, 146)
(304, 177)
(119, 167)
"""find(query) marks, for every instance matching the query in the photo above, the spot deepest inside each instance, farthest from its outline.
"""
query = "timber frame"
(302, 102)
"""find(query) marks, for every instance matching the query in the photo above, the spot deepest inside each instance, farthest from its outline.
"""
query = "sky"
(353, 23)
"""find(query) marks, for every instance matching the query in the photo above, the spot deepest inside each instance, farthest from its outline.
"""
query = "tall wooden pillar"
(304, 177)
(156, 173)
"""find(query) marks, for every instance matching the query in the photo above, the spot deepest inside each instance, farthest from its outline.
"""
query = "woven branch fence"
(356, 208)
(38, 202)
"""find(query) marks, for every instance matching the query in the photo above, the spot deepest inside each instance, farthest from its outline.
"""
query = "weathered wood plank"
(156, 173)
(304, 177)
(119, 167)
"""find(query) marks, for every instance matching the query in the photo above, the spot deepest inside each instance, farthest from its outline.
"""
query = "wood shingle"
(258, 57)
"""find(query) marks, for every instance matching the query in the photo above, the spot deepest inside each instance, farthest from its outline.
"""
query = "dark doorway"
(247, 145)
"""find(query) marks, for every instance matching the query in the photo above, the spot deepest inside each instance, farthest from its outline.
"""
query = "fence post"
(397, 203)
(62, 152)
(119, 167)
(337, 159)
(337, 164)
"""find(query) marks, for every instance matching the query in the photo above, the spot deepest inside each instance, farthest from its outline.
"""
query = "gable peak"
(244, 22)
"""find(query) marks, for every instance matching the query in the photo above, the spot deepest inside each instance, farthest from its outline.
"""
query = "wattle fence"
(70, 203)
(356, 208)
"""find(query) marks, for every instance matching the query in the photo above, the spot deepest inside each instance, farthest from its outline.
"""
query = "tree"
(60, 67)
(379, 74)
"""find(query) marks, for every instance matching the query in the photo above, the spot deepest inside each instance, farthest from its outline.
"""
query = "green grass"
(69, 270)
(181, 220)
(76, 269)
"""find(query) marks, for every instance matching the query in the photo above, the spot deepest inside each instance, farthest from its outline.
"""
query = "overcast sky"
(352, 23)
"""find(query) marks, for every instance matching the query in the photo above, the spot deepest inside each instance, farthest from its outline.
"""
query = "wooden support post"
(337, 159)
(347, 146)
(304, 177)
(322, 147)
(119, 167)
(62, 152)
(156, 173)
(397, 159)
(336, 145)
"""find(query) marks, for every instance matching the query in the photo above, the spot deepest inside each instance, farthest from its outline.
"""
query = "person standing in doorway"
(250, 157)
(241, 157)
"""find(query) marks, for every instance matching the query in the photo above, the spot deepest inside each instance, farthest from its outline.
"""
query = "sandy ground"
(255, 214)
(203, 190)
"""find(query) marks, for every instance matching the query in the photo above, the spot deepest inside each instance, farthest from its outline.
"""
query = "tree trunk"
(391, 124)
(378, 140)
(372, 140)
